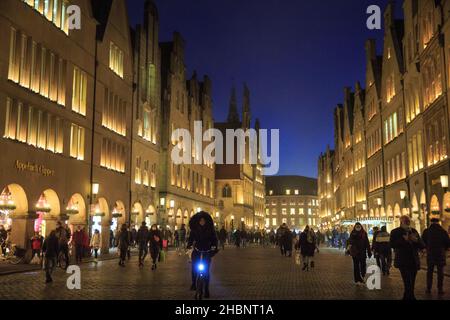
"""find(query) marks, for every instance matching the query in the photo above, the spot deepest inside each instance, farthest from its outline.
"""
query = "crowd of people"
(403, 246)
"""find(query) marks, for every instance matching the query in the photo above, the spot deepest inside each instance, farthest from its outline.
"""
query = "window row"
(415, 153)
(34, 67)
(396, 169)
(360, 190)
(374, 143)
(116, 59)
(145, 175)
(436, 141)
(35, 127)
(376, 179)
(54, 11)
(393, 127)
(188, 179)
(114, 115)
(431, 79)
(113, 156)
(148, 126)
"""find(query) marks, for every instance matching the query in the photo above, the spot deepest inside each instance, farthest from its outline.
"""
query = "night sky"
(296, 56)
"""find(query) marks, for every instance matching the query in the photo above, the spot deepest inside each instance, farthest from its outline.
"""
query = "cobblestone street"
(250, 273)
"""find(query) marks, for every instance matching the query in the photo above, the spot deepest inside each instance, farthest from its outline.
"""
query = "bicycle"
(14, 254)
(202, 273)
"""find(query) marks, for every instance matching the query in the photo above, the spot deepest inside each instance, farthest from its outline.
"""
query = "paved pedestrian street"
(237, 274)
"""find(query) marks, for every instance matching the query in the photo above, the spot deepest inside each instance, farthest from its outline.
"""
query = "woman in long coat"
(307, 243)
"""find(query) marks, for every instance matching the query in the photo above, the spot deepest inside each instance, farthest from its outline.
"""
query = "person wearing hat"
(202, 238)
(142, 238)
(407, 243)
(437, 243)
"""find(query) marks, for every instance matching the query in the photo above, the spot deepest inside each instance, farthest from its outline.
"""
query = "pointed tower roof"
(233, 116)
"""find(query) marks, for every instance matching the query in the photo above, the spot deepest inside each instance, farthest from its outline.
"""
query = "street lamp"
(95, 189)
(444, 182)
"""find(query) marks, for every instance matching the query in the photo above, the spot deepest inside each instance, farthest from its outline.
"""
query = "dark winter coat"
(142, 236)
(202, 238)
(360, 246)
(155, 239)
(381, 244)
(222, 234)
(124, 239)
(286, 240)
(406, 252)
(182, 235)
(307, 248)
(437, 243)
(50, 246)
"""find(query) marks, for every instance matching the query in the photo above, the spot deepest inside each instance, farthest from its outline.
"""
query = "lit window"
(116, 60)
(77, 142)
(79, 93)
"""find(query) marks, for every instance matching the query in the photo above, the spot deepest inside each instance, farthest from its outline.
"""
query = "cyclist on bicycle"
(203, 239)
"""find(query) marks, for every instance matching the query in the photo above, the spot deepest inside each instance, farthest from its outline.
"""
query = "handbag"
(162, 256)
(165, 243)
(297, 259)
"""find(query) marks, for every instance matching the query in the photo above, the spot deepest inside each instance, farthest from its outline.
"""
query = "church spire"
(246, 108)
(233, 116)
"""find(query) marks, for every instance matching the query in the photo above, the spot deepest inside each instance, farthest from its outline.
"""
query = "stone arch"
(390, 212)
(382, 212)
(397, 210)
(179, 217)
(415, 204)
(119, 207)
(52, 199)
(150, 215)
(76, 202)
(446, 202)
(372, 213)
(435, 207)
(18, 198)
(137, 214)
(377, 212)
(423, 197)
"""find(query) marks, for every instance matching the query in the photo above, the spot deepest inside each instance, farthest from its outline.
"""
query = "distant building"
(292, 200)
(239, 187)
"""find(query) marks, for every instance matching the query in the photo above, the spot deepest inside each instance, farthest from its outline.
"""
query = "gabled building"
(146, 127)
(185, 188)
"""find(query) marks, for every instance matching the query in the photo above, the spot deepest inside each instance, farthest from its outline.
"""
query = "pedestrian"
(307, 244)
(222, 237)
(36, 246)
(237, 238)
(133, 237)
(359, 249)
(79, 241)
(96, 243)
(111, 239)
(124, 239)
(244, 237)
(142, 239)
(407, 243)
(382, 248)
(130, 244)
(3, 237)
(437, 243)
(63, 236)
(375, 232)
(181, 239)
(156, 245)
(286, 239)
(50, 250)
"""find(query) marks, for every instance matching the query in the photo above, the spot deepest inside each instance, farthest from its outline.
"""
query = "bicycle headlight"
(201, 267)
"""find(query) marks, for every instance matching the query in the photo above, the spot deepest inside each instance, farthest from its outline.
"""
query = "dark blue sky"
(295, 55)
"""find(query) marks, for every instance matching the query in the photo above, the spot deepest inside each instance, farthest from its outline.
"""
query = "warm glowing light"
(95, 188)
